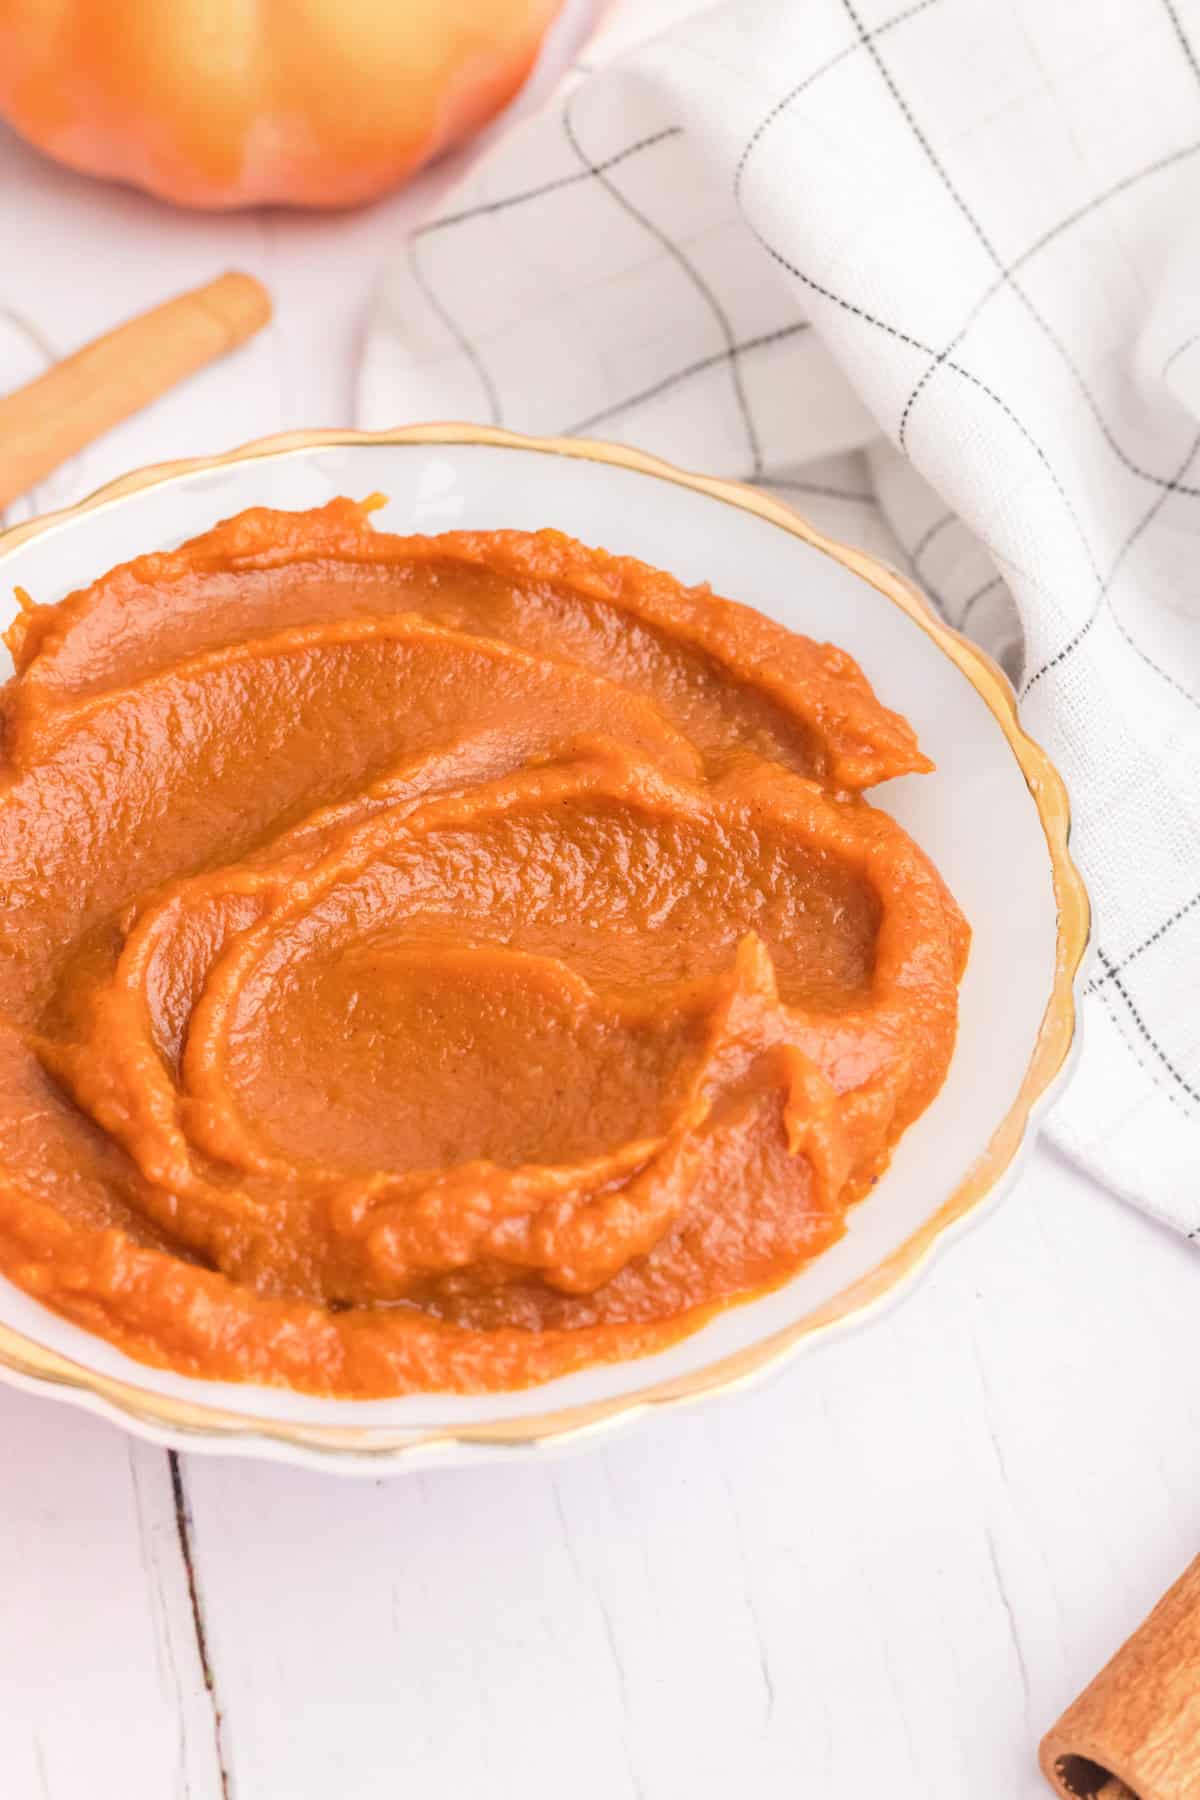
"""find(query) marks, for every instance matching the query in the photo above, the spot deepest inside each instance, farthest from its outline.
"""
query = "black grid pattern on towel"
(1167, 485)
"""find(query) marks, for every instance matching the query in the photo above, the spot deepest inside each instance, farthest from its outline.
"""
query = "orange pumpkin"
(222, 103)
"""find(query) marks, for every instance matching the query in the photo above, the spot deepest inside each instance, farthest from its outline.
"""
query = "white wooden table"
(883, 1573)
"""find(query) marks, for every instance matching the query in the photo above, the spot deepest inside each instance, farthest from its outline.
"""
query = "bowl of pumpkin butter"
(498, 935)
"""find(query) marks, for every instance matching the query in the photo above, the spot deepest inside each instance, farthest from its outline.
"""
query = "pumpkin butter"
(442, 962)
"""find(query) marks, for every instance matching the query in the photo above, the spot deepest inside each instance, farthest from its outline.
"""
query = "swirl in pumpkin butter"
(442, 962)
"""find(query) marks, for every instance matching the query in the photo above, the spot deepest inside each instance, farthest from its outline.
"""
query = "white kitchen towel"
(933, 270)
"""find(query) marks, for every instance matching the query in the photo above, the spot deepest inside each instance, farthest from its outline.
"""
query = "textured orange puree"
(442, 962)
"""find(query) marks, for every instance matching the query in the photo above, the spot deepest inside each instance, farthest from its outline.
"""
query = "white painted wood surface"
(883, 1573)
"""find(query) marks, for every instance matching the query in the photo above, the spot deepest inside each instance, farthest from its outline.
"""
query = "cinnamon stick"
(80, 398)
(1134, 1734)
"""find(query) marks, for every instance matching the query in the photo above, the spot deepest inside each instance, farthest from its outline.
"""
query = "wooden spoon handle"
(80, 398)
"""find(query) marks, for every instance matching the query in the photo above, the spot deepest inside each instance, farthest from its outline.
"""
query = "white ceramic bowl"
(994, 818)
